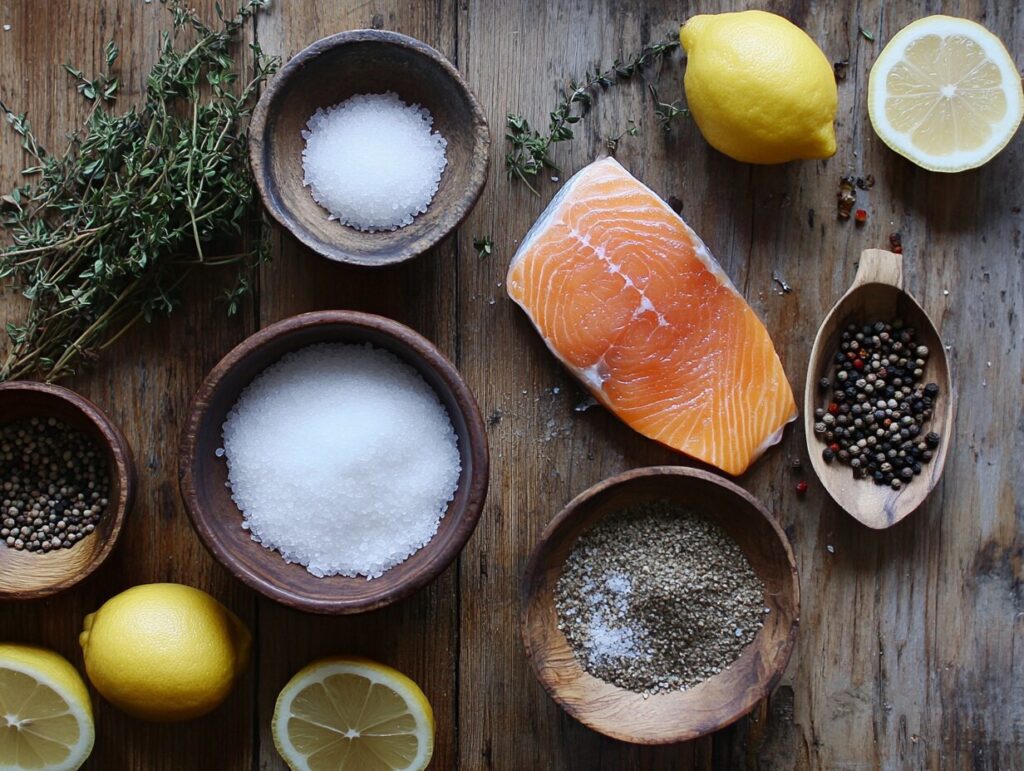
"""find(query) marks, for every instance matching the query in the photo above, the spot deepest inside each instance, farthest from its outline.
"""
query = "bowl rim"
(123, 465)
(572, 509)
(257, 133)
(476, 448)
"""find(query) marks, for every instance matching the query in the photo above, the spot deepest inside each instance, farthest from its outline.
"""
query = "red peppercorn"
(801, 487)
(858, 363)
(833, 408)
(834, 447)
(860, 216)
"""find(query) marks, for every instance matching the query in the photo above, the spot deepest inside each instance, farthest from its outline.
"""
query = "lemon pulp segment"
(945, 93)
(353, 715)
(45, 714)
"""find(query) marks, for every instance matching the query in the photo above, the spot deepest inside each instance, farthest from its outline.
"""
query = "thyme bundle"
(529, 149)
(106, 231)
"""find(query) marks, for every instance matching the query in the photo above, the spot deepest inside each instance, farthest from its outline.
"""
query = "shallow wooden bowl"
(877, 295)
(28, 575)
(331, 70)
(203, 476)
(681, 715)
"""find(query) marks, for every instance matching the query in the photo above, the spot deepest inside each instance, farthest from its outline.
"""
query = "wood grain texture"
(673, 717)
(217, 518)
(877, 294)
(373, 62)
(909, 654)
(28, 575)
(144, 385)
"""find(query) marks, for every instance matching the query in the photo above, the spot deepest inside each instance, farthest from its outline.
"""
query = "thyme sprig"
(106, 231)
(666, 112)
(529, 152)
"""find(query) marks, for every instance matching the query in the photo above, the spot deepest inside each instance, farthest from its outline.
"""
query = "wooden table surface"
(911, 645)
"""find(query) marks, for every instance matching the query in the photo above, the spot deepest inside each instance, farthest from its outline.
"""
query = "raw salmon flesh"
(630, 299)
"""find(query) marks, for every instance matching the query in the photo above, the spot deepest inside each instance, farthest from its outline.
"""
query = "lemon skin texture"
(759, 88)
(164, 652)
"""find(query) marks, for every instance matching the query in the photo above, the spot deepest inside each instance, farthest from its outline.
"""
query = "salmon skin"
(627, 296)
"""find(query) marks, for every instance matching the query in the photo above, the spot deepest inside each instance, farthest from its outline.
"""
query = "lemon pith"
(945, 93)
(353, 714)
(164, 652)
(45, 713)
(758, 87)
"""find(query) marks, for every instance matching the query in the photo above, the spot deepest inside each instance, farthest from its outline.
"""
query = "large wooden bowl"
(677, 716)
(331, 70)
(27, 575)
(203, 476)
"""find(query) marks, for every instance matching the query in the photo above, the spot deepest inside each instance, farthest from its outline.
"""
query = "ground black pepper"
(54, 484)
(657, 598)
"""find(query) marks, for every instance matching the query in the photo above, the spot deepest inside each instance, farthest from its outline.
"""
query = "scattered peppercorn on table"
(908, 649)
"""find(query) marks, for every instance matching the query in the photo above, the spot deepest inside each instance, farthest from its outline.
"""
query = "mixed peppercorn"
(879, 405)
(54, 484)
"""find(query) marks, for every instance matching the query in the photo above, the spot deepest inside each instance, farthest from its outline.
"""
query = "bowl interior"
(367, 62)
(219, 521)
(875, 505)
(26, 574)
(714, 703)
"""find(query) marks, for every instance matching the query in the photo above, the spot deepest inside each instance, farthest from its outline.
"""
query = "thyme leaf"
(529, 149)
(484, 246)
(105, 231)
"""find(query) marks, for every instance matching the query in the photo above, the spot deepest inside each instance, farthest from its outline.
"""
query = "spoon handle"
(878, 266)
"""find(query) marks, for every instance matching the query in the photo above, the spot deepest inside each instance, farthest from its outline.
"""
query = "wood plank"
(892, 667)
(907, 656)
(419, 635)
(144, 383)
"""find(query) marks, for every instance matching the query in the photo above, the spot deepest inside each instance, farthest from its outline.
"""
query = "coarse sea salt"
(372, 161)
(342, 458)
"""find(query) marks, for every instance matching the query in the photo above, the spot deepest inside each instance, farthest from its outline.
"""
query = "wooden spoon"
(877, 295)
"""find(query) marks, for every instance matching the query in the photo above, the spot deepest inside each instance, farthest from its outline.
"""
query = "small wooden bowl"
(877, 294)
(203, 476)
(29, 575)
(681, 715)
(329, 71)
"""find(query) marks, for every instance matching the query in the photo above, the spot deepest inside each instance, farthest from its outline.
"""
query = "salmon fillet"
(627, 296)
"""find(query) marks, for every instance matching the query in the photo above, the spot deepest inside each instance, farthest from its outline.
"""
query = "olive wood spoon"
(877, 295)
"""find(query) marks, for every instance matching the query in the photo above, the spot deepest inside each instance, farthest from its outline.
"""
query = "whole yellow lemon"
(164, 652)
(760, 90)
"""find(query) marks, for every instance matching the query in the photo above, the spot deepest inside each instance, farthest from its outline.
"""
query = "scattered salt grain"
(342, 458)
(372, 161)
(7, 28)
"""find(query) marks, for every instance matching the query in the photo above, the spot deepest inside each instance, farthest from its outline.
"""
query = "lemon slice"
(45, 713)
(352, 714)
(945, 93)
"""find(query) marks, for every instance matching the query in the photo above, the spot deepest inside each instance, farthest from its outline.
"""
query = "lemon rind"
(900, 142)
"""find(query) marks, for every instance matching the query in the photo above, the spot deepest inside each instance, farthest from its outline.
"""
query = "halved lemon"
(45, 713)
(353, 714)
(945, 93)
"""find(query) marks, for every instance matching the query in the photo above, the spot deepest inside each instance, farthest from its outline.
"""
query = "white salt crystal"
(372, 161)
(342, 458)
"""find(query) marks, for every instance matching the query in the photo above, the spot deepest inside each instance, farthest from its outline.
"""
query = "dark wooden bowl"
(681, 715)
(28, 575)
(217, 519)
(330, 71)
